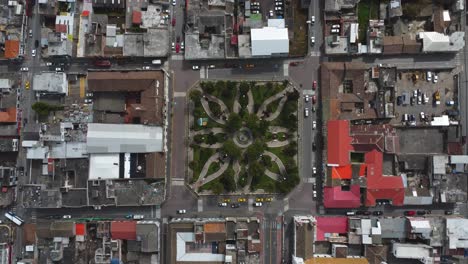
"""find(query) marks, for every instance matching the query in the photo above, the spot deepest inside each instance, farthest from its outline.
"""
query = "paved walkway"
(271, 99)
(205, 105)
(214, 146)
(236, 107)
(277, 143)
(215, 99)
(202, 179)
(274, 158)
(237, 169)
(250, 105)
(206, 131)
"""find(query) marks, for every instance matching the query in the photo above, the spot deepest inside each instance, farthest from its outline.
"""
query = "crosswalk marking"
(177, 57)
(180, 94)
(33, 216)
(250, 204)
(315, 53)
(203, 73)
(158, 213)
(200, 205)
(286, 69)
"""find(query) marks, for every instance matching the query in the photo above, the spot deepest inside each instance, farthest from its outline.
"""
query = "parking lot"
(415, 141)
(412, 88)
(268, 8)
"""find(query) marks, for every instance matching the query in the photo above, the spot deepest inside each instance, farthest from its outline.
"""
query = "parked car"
(314, 124)
(181, 211)
(241, 200)
(312, 40)
(33, 53)
(222, 204)
(306, 112)
(258, 204)
(336, 26)
(448, 212)
(314, 99)
(306, 97)
(429, 76)
(312, 18)
(314, 85)
(58, 69)
(66, 216)
(410, 213)
(271, 13)
(278, 8)
(335, 30)
(173, 22)
(377, 213)
(421, 212)
(174, 2)
(173, 45)
(48, 64)
(24, 69)
(423, 116)
(227, 200)
(435, 79)
(314, 170)
(235, 205)
(314, 146)
(259, 199)
(268, 199)
(36, 43)
(146, 67)
(211, 66)
(195, 67)
(177, 48)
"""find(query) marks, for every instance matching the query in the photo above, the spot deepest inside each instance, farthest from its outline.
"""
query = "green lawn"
(214, 185)
(298, 45)
(265, 183)
(367, 9)
(279, 153)
(214, 167)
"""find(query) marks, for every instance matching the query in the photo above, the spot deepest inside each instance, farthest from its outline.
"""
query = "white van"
(350, 213)
(156, 62)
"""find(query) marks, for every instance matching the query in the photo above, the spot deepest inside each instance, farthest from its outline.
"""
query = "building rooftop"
(51, 82)
(123, 230)
(327, 226)
(336, 197)
(457, 232)
(123, 138)
(269, 41)
(438, 42)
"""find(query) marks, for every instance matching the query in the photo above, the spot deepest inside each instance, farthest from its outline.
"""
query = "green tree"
(293, 96)
(254, 150)
(228, 180)
(215, 108)
(217, 187)
(195, 95)
(269, 86)
(232, 150)
(43, 109)
(220, 85)
(233, 123)
(285, 83)
(291, 149)
(244, 88)
(266, 160)
(256, 171)
(262, 128)
(211, 139)
(251, 121)
(208, 87)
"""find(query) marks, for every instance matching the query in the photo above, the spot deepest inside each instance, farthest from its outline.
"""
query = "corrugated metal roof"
(123, 230)
(124, 138)
(269, 40)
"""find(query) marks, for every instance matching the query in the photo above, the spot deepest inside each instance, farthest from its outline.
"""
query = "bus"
(14, 218)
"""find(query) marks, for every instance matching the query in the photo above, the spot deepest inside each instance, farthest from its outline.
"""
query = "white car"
(314, 170)
(181, 211)
(173, 2)
(24, 69)
(66, 216)
(211, 66)
(255, 11)
(435, 79)
(222, 204)
(314, 124)
(195, 67)
(58, 69)
(312, 40)
(182, 45)
(173, 45)
(423, 116)
(88, 101)
(306, 112)
(271, 13)
(34, 53)
(48, 64)
(315, 194)
(278, 8)
(336, 26)
(258, 204)
(312, 18)
(335, 30)
(89, 94)
(279, 4)
(146, 67)
(306, 98)
(138, 217)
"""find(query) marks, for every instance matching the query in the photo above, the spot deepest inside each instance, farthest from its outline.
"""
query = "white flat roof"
(104, 166)
(411, 251)
(269, 40)
(188, 237)
(124, 138)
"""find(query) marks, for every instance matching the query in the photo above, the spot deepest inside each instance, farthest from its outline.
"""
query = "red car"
(314, 85)
(314, 99)
(173, 22)
(177, 48)
(410, 213)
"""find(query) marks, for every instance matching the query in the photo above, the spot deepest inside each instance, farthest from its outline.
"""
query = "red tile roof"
(11, 49)
(339, 142)
(136, 17)
(342, 172)
(62, 28)
(80, 229)
(123, 230)
(335, 197)
(327, 225)
(380, 186)
(8, 116)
